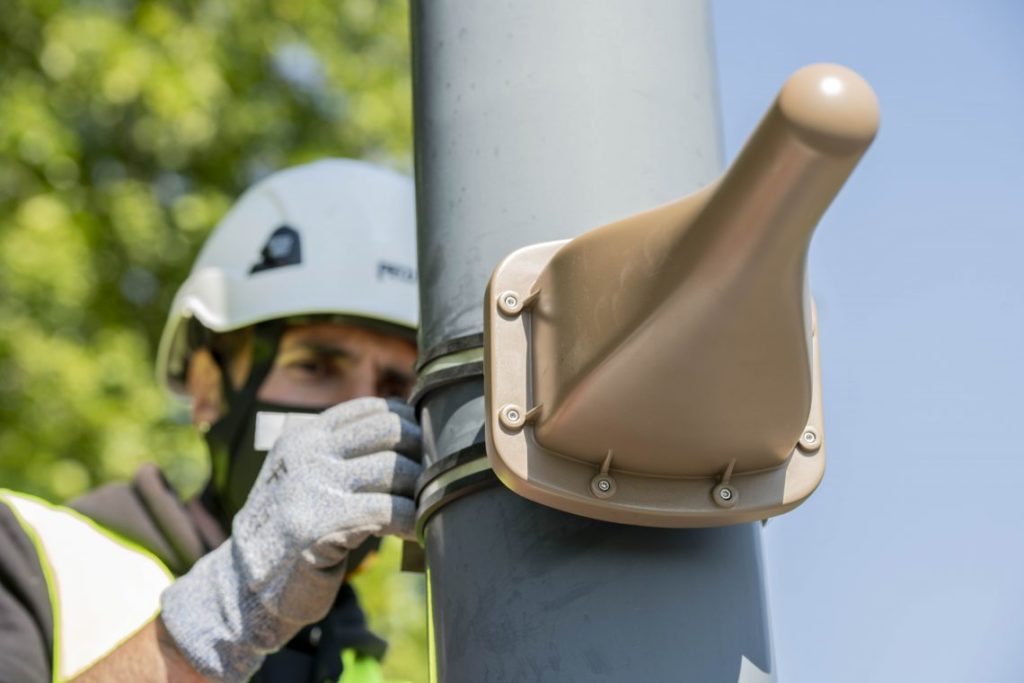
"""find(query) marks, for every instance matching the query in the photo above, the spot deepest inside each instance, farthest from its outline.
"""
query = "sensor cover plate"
(595, 488)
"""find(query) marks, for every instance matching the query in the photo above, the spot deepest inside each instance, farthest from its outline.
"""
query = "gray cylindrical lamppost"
(535, 121)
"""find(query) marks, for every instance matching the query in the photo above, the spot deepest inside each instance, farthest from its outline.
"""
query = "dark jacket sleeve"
(26, 617)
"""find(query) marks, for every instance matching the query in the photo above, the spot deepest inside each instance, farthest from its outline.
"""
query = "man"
(297, 320)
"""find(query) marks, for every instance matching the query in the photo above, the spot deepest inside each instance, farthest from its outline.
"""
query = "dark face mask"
(236, 456)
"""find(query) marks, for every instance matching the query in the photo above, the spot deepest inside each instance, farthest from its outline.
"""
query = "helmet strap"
(226, 436)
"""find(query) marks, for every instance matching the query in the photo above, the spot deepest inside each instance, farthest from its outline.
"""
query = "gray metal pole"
(537, 120)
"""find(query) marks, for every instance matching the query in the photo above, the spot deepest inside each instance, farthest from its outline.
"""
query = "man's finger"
(377, 432)
(384, 472)
(397, 515)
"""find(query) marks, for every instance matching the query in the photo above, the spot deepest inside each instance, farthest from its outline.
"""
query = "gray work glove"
(325, 487)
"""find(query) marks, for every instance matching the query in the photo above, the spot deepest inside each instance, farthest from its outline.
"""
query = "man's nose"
(366, 380)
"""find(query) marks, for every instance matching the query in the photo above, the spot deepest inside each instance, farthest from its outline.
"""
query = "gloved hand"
(325, 487)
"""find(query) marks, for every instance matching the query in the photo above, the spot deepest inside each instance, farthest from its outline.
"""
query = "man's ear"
(204, 386)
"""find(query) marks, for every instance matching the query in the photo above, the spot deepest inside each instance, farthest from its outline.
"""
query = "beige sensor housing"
(663, 370)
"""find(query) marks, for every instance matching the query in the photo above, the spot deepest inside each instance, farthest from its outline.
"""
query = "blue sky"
(908, 563)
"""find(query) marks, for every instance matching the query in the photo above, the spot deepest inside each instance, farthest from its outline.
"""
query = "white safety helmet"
(333, 237)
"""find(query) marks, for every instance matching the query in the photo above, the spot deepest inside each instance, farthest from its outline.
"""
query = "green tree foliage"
(127, 127)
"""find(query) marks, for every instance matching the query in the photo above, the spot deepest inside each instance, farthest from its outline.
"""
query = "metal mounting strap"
(451, 477)
(449, 347)
(443, 376)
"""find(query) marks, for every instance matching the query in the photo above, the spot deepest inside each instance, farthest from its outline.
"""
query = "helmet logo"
(395, 271)
(283, 248)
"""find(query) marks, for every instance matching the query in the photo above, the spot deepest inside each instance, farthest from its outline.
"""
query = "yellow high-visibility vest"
(103, 588)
